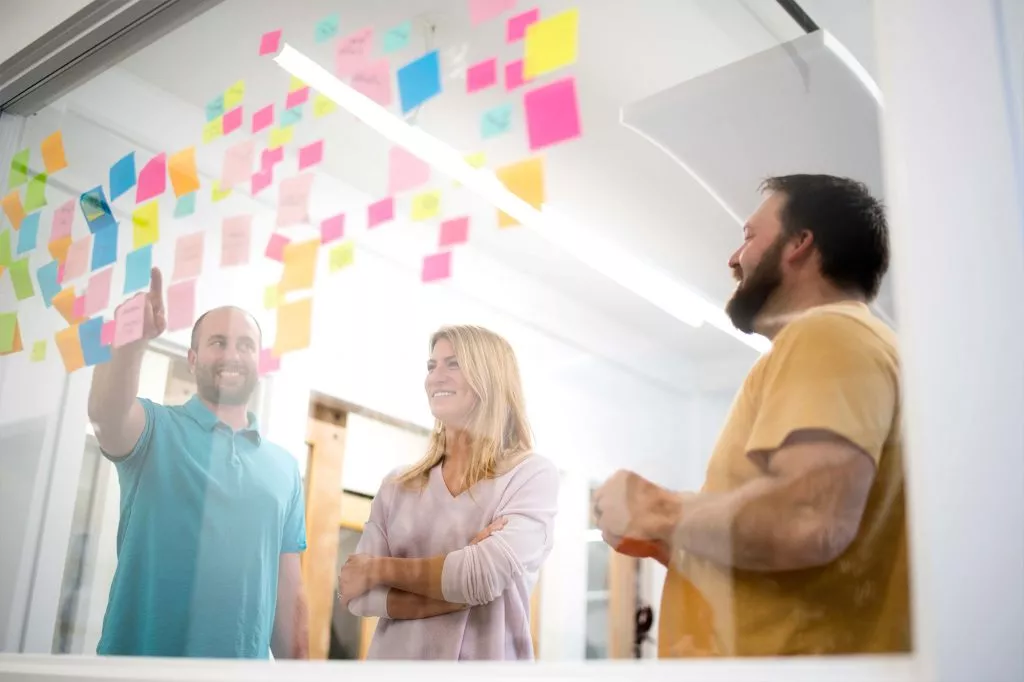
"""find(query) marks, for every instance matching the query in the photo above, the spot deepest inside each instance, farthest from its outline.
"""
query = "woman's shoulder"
(531, 464)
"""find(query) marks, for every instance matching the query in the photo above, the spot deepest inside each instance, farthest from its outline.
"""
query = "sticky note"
(238, 163)
(311, 154)
(552, 114)
(293, 326)
(96, 209)
(59, 248)
(476, 159)
(215, 108)
(353, 51)
(236, 240)
(326, 28)
(181, 305)
(485, 10)
(137, 268)
(263, 118)
(35, 195)
(13, 209)
(396, 37)
(49, 285)
(268, 362)
(21, 279)
(90, 335)
(188, 256)
(299, 265)
(525, 179)
(271, 156)
(5, 249)
(53, 153)
(262, 179)
(122, 175)
(482, 75)
(280, 137)
(514, 76)
(145, 225)
(271, 297)
(232, 120)
(322, 105)
(64, 302)
(454, 231)
(181, 166)
(270, 41)
(70, 346)
(437, 266)
(129, 320)
(496, 121)
(78, 309)
(293, 200)
(29, 233)
(332, 229)
(374, 80)
(19, 169)
(185, 206)
(295, 83)
(296, 98)
(418, 81)
(218, 193)
(290, 117)
(38, 351)
(97, 293)
(341, 256)
(63, 217)
(8, 323)
(104, 248)
(380, 211)
(551, 43)
(405, 170)
(234, 95)
(152, 179)
(275, 247)
(213, 130)
(426, 205)
(516, 27)
(107, 334)
(77, 262)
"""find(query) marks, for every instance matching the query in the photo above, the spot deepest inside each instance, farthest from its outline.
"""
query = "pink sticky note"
(262, 179)
(380, 212)
(293, 200)
(437, 266)
(238, 163)
(108, 332)
(517, 25)
(188, 256)
(311, 154)
(181, 305)
(268, 363)
(353, 52)
(271, 156)
(233, 120)
(78, 307)
(236, 240)
(63, 218)
(405, 171)
(275, 247)
(129, 318)
(374, 81)
(332, 229)
(60, 272)
(552, 113)
(152, 179)
(485, 10)
(270, 41)
(297, 97)
(482, 75)
(454, 231)
(514, 75)
(97, 293)
(263, 118)
(77, 262)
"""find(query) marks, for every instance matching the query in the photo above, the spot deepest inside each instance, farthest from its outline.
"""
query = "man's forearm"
(290, 638)
(404, 605)
(115, 385)
(419, 576)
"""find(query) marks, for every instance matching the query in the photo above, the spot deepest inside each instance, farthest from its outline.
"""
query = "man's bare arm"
(290, 638)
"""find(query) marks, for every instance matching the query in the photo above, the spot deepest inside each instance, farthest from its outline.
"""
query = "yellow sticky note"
(146, 225)
(299, 265)
(213, 130)
(70, 348)
(525, 179)
(218, 194)
(341, 256)
(272, 297)
(426, 205)
(53, 153)
(295, 84)
(294, 321)
(38, 351)
(477, 160)
(234, 95)
(551, 44)
(280, 137)
(322, 105)
(181, 166)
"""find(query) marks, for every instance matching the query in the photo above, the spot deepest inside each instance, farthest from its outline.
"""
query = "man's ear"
(801, 246)
(192, 357)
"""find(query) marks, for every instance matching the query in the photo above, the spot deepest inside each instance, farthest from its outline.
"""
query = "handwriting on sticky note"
(397, 37)
(70, 347)
(525, 179)
(311, 154)
(21, 279)
(374, 80)
(53, 153)
(299, 265)
(552, 114)
(294, 321)
(341, 256)
(181, 166)
(426, 205)
(188, 256)
(97, 293)
(238, 163)
(353, 51)
(437, 266)
(496, 121)
(551, 43)
(145, 225)
(129, 320)
(269, 42)
(380, 212)
(122, 175)
(236, 240)
(405, 171)
(137, 268)
(13, 209)
(454, 231)
(293, 200)
(263, 118)
(181, 305)
(482, 75)
(152, 179)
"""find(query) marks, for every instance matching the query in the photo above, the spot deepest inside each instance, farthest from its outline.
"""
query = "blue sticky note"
(215, 108)
(104, 247)
(96, 210)
(326, 28)
(291, 116)
(419, 80)
(186, 205)
(48, 284)
(90, 334)
(137, 267)
(397, 37)
(122, 176)
(496, 121)
(28, 234)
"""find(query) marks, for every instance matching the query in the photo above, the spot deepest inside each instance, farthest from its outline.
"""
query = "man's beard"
(206, 384)
(753, 291)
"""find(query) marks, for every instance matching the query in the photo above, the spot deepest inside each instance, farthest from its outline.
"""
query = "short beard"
(206, 385)
(753, 292)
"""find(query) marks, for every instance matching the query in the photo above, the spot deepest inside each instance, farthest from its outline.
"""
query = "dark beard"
(206, 384)
(753, 292)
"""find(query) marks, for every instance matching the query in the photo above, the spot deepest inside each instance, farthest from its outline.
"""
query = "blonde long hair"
(498, 429)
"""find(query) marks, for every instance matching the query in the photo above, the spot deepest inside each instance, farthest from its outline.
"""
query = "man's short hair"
(848, 224)
(195, 328)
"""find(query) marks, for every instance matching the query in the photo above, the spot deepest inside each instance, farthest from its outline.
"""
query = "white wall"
(373, 449)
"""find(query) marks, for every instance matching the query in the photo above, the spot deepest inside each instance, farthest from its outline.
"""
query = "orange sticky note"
(64, 302)
(59, 248)
(13, 208)
(525, 179)
(16, 347)
(181, 166)
(53, 153)
(299, 265)
(70, 347)
(294, 321)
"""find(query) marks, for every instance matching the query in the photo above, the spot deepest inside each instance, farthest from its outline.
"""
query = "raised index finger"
(156, 289)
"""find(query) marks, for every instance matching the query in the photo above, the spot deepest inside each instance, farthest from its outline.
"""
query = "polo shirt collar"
(202, 415)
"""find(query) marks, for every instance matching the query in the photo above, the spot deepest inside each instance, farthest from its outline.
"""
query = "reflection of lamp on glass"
(611, 261)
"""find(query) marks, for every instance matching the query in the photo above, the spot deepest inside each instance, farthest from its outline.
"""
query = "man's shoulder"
(838, 328)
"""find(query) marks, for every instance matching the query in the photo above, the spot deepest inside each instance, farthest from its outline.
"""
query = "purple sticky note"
(238, 163)
(353, 52)
(405, 170)
(262, 179)
(454, 231)
(181, 305)
(374, 80)
(268, 362)
(233, 120)
(275, 247)
(514, 75)
(63, 218)
(311, 154)
(97, 293)
(437, 266)
(332, 229)
(293, 200)
(297, 97)
(108, 332)
(263, 118)
(517, 25)
(271, 156)
(552, 113)
(485, 10)
(482, 75)
(129, 320)
(380, 212)
(152, 179)
(270, 41)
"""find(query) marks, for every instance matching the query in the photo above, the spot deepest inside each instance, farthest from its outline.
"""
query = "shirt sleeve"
(480, 573)
(131, 460)
(294, 535)
(374, 541)
(827, 373)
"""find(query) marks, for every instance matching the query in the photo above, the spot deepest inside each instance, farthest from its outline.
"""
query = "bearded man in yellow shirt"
(796, 544)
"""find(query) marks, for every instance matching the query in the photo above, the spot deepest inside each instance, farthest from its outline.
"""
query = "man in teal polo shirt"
(212, 516)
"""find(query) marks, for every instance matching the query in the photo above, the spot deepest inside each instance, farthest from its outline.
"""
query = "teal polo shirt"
(205, 515)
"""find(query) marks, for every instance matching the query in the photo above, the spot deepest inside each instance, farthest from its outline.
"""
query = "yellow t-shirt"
(834, 367)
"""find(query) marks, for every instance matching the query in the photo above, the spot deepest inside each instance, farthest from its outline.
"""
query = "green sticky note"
(186, 205)
(8, 324)
(22, 280)
(5, 248)
(38, 351)
(35, 195)
(19, 169)
(327, 28)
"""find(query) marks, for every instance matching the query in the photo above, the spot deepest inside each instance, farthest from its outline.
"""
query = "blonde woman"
(454, 544)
